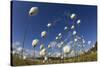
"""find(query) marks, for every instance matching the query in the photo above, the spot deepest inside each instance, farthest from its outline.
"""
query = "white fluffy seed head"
(75, 39)
(33, 11)
(62, 43)
(59, 34)
(93, 46)
(66, 49)
(43, 34)
(41, 46)
(74, 32)
(65, 28)
(45, 58)
(72, 27)
(43, 52)
(62, 57)
(49, 25)
(35, 42)
(49, 46)
(78, 21)
(43, 61)
(24, 57)
(57, 38)
(13, 52)
(59, 46)
(72, 16)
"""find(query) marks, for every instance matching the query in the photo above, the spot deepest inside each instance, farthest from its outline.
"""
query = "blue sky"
(48, 13)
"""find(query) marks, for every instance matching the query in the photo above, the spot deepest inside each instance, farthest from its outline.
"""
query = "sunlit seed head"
(62, 43)
(35, 42)
(65, 28)
(62, 57)
(57, 38)
(41, 46)
(59, 34)
(13, 52)
(49, 25)
(43, 34)
(33, 11)
(72, 16)
(78, 21)
(43, 52)
(72, 27)
(49, 46)
(43, 61)
(75, 40)
(45, 58)
(66, 49)
(93, 46)
(74, 32)
(59, 46)
(24, 57)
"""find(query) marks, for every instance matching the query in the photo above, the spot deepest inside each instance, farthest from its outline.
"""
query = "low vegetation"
(86, 57)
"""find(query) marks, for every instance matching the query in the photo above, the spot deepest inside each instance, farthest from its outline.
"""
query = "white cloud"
(15, 45)
(55, 54)
(53, 43)
(29, 53)
(89, 42)
(17, 49)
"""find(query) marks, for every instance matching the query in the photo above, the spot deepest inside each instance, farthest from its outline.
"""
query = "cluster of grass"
(86, 57)
(16, 61)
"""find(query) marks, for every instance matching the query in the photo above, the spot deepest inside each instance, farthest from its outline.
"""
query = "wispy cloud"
(55, 52)
(29, 53)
